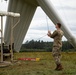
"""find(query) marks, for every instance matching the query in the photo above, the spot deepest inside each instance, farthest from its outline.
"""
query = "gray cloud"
(66, 8)
(43, 27)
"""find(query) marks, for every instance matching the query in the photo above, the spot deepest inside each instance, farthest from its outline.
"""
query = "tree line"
(43, 46)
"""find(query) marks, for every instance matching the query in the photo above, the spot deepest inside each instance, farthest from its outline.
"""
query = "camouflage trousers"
(56, 52)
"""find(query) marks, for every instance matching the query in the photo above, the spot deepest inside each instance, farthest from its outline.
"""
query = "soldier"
(57, 45)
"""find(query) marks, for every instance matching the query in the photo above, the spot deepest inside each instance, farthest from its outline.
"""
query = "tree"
(46, 46)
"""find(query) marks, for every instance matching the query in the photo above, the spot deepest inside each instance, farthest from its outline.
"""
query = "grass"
(43, 67)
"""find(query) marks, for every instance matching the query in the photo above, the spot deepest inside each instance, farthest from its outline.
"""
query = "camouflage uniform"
(57, 45)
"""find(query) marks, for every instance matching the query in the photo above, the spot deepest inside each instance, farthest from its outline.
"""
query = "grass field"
(45, 66)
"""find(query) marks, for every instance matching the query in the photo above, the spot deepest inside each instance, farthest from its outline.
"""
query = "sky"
(41, 23)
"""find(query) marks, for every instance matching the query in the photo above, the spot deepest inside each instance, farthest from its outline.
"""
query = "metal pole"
(11, 39)
(1, 38)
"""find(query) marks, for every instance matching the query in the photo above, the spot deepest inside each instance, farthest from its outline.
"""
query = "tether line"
(47, 22)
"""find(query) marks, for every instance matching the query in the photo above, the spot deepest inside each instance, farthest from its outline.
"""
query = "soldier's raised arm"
(54, 34)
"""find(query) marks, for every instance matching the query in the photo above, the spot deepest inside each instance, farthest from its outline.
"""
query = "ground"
(45, 66)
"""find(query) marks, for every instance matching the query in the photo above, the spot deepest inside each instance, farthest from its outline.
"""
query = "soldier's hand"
(48, 34)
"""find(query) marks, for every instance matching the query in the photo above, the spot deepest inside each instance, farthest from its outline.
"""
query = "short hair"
(59, 25)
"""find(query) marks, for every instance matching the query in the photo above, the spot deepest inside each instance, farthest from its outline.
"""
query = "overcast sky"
(41, 23)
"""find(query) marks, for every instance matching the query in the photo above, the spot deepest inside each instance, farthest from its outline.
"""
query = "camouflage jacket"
(57, 36)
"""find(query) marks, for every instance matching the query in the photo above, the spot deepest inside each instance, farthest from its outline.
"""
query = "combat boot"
(56, 67)
(59, 67)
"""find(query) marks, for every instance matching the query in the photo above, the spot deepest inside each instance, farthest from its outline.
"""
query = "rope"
(47, 28)
(41, 37)
(47, 22)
